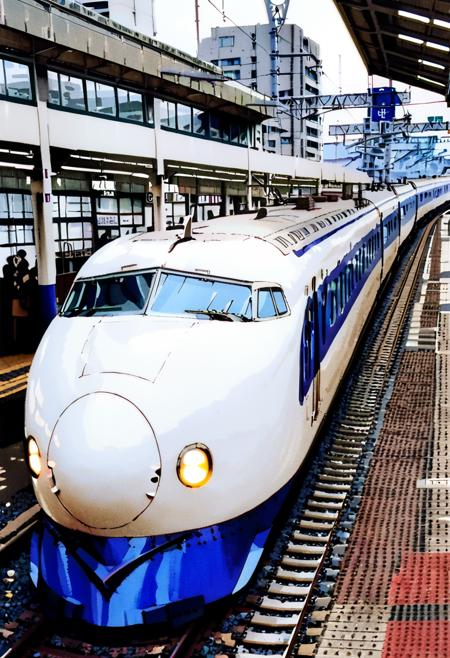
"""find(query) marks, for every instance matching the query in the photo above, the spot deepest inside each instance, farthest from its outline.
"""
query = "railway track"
(286, 612)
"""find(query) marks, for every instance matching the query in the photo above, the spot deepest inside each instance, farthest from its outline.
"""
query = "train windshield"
(109, 295)
(180, 294)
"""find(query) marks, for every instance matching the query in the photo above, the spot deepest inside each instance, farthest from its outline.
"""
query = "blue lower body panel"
(117, 582)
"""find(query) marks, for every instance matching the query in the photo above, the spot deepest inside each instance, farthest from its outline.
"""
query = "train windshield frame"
(204, 297)
(120, 293)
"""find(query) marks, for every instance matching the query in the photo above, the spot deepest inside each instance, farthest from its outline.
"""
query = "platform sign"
(384, 100)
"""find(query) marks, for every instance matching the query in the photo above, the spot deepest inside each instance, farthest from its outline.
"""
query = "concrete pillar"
(223, 199)
(159, 211)
(41, 192)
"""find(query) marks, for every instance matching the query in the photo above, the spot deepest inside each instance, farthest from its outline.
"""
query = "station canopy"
(405, 41)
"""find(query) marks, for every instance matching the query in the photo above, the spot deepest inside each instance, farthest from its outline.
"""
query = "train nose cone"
(105, 461)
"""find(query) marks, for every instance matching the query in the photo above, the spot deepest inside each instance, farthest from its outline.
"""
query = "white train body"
(115, 398)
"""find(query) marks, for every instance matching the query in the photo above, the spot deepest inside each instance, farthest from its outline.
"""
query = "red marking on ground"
(423, 578)
(417, 639)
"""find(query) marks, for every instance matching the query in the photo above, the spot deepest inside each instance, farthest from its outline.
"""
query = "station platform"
(14, 374)
(392, 596)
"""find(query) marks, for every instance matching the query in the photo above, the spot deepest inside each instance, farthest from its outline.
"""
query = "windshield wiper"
(219, 315)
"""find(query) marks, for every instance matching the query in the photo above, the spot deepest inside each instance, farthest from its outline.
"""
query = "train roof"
(285, 228)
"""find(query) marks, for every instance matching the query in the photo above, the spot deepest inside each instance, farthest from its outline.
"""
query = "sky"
(342, 64)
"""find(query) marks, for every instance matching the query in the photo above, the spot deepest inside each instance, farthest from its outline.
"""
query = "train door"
(310, 357)
(316, 380)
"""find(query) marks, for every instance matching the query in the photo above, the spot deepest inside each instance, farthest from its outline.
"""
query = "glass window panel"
(106, 204)
(126, 220)
(27, 206)
(101, 98)
(234, 133)
(2, 79)
(243, 135)
(53, 88)
(199, 121)
(266, 309)
(178, 293)
(168, 115)
(4, 234)
(137, 205)
(86, 206)
(18, 81)
(75, 230)
(87, 230)
(16, 206)
(184, 118)
(63, 230)
(130, 105)
(3, 206)
(73, 206)
(29, 235)
(62, 206)
(214, 126)
(125, 205)
(72, 93)
(55, 231)
(280, 301)
(109, 295)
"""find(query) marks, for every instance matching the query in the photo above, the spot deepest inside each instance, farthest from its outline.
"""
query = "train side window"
(332, 315)
(266, 306)
(349, 272)
(342, 290)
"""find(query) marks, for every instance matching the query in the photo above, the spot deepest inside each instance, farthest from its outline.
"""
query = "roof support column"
(159, 210)
(41, 191)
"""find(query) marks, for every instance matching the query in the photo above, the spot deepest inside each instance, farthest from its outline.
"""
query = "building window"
(130, 105)
(72, 92)
(15, 80)
(199, 122)
(271, 143)
(16, 220)
(233, 75)
(312, 90)
(286, 92)
(231, 61)
(101, 99)
(184, 116)
(286, 140)
(312, 144)
(93, 97)
(168, 114)
(253, 73)
(226, 42)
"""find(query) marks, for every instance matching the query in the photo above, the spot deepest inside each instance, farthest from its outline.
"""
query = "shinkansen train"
(174, 398)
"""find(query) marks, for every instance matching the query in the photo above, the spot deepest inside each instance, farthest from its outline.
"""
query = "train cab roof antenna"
(187, 233)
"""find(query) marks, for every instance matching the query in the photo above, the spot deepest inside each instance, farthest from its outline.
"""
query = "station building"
(105, 131)
(243, 53)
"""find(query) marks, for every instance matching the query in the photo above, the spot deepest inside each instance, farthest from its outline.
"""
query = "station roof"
(67, 35)
(408, 41)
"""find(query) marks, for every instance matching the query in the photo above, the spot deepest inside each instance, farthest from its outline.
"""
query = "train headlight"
(34, 457)
(194, 467)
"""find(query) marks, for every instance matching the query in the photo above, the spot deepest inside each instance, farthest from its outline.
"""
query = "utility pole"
(197, 22)
(276, 13)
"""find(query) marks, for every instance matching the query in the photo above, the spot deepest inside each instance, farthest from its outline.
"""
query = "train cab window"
(271, 303)
(280, 301)
(266, 304)
(182, 294)
(112, 294)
